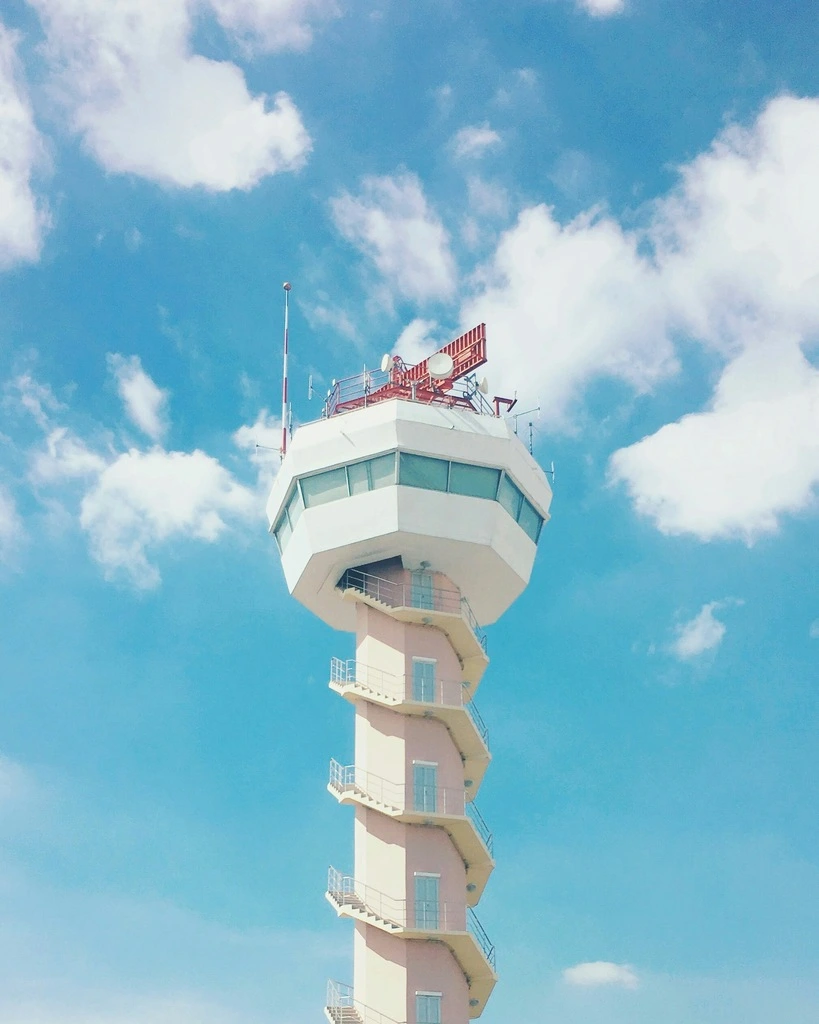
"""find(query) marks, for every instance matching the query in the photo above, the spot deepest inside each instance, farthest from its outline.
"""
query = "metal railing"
(481, 827)
(341, 997)
(429, 800)
(419, 916)
(478, 933)
(445, 692)
(371, 386)
(397, 594)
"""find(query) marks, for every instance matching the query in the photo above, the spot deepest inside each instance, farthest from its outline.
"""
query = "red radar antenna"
(444, 378)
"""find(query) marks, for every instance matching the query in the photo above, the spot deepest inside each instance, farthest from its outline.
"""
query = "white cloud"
(145, 498)
(813, 631)
(566, 304)
(416, 341)
(392, 223)
(703, 633)
(735, 469)
(602, 8)
(737, 239)
(487, 198)
(145, 403)
(37, 399)
(474, 140)
(266, 433)
(66, 457)
(600, 973)
(133, 502)
(737, 246)
(271, 25)
(11, 527)
(145, 104)
(338, 320)
(23, 216)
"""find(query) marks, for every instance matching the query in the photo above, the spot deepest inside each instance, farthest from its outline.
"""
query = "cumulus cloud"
(144, 498)
(602, 8)
(727, 258)
(566, 304)
(145, 104)
(23, 216)
(705, 632)
(272, 25)
(11, 527)
(391, 222)
(736, 468)
(600, 973)
(740, 266)
(144, 402)
(736, 239)
(474, 140)
(134, 501)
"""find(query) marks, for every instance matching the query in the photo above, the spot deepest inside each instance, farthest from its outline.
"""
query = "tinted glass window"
(476, 481)
(359, 478)
(419, 471)
(530, 520)
(324, 487)
(509, 496)
(295, 506)
(382, 470)
(283, 532)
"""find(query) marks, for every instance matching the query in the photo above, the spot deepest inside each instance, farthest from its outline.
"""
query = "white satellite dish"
(387, 362)
(483, 387)
(440, 365)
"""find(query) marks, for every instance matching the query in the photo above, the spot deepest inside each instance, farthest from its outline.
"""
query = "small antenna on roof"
(285, 412)
(310, 388)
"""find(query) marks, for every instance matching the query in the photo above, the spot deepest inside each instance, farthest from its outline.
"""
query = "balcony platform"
(468, 944)
(466, 828)
(446, 610)
(451, 706)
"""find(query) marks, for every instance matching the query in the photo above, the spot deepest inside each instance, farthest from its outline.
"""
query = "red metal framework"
(416, 383)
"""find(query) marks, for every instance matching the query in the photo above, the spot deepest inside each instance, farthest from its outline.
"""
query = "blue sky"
(626, 192)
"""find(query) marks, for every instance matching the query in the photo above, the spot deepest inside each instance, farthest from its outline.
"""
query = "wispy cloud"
(599, 973)
(11, 527)
(391, 222)
(474, 140)
(813, 631)
(705, 632)
(602, 8)
(23, 215)
(144, 402)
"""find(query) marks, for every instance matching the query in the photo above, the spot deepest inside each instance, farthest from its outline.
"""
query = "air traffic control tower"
(410, 515)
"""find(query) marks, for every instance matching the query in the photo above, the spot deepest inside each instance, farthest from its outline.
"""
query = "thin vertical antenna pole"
(285, 414)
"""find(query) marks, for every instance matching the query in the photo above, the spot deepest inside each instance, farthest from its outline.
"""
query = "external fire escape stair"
(343, 1015)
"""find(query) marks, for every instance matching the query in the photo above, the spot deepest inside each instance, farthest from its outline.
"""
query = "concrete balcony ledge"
(446, 609)
(450, 701)
(437, 808)
(455, 925)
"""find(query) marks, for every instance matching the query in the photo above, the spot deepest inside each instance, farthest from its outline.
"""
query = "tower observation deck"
(409, 515)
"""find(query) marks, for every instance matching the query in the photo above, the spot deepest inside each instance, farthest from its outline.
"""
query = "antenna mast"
(285, 412)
